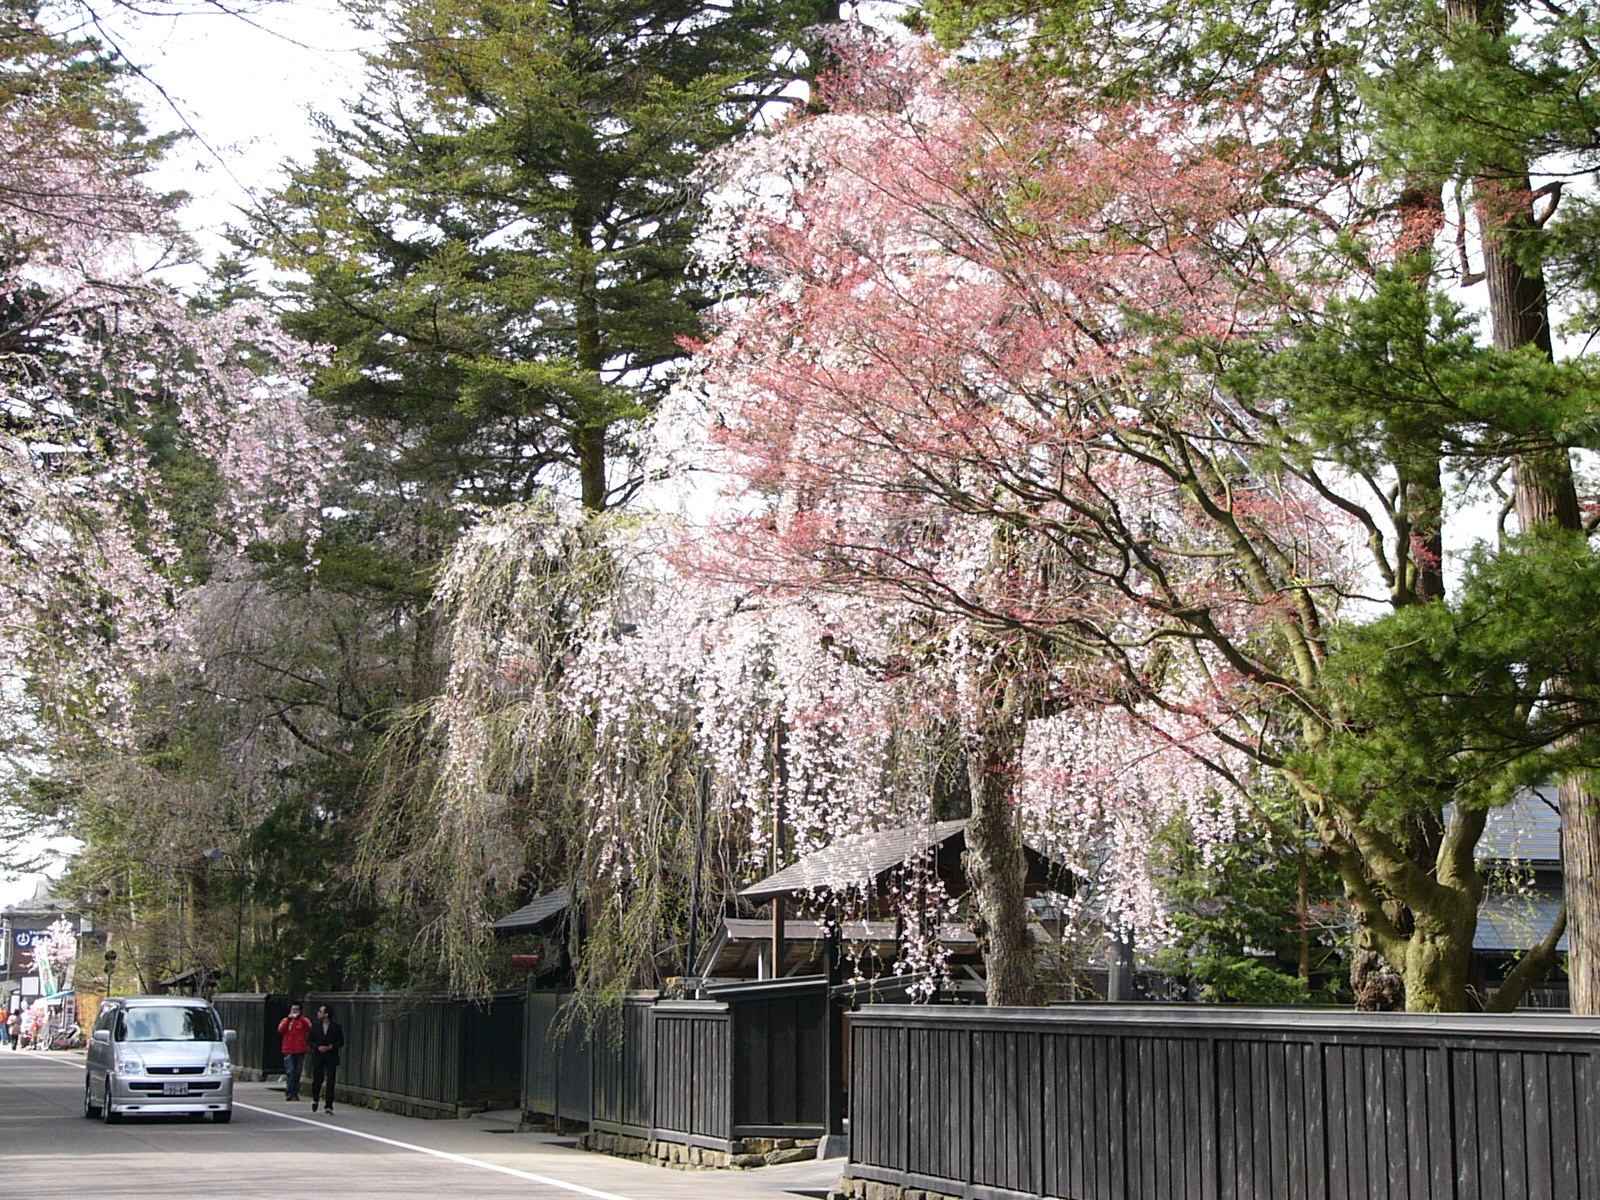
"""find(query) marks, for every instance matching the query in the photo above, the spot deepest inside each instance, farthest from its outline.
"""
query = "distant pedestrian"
(295, 1030)
(327, 1036)
(14, 1025)
(5, 1028)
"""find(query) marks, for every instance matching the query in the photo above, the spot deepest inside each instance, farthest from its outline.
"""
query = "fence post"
(1119, 969)
(835, 1143)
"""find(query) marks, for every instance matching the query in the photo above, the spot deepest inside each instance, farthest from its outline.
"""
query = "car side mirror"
(230, 1036)
(101, 1035)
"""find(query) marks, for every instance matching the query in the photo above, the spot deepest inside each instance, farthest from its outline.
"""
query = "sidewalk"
(493, 1138)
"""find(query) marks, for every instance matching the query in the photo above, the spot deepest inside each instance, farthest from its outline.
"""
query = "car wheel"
(108, 1114)
(222, 1118)
(90, 1108)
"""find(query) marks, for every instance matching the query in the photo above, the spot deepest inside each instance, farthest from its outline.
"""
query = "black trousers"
(322, 1069)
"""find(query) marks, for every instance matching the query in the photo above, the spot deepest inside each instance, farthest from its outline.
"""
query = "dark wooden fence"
(693, 1072)
(557, 1075)
(1170, 1103)
(428, 1056)
(254, 1016)
(748, 1063)
(622, 1072)
(780, 1055)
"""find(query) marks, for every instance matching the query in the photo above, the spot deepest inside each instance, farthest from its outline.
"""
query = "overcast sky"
(242, 86)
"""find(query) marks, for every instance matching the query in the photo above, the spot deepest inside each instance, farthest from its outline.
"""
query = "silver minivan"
(159, 1054)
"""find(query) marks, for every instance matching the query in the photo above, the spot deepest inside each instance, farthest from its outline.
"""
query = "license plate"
(174, 1087)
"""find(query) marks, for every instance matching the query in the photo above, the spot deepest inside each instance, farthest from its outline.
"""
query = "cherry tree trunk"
(997, 870)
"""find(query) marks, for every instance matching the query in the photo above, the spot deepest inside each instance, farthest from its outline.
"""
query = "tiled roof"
(855, 861)
(951, 933)
(1511, 923)
(1526, 830)
(536, 912)
(44, 902)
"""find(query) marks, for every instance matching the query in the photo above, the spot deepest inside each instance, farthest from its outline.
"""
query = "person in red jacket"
(295, 1030)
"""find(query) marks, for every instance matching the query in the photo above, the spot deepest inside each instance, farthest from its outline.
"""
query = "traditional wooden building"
(881, 870)
(1521, 851)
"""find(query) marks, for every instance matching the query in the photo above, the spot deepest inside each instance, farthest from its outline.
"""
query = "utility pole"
(779, 820)
(692, 954)
(215, 853)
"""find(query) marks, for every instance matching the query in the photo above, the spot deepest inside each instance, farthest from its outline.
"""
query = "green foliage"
(1489, 87)
(60, 80)
(495, 240)
(1248, 921)
(316, 926)
(1304, 55)
(1571, 263)
(1400, 378)
(1452, 699)
(1490, 92)
(1442, 699)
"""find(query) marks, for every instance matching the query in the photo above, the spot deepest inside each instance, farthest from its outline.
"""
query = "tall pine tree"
(495, 242)
(496, 238)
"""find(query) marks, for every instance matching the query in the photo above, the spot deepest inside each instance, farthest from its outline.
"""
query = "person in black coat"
(327, 1036)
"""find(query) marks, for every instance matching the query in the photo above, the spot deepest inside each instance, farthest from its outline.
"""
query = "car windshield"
(168, 1025)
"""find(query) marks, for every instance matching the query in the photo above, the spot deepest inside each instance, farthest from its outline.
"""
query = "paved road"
(275, 1150)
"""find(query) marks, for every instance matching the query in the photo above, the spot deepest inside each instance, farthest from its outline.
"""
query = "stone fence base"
(751, 1152)
(867, 1189)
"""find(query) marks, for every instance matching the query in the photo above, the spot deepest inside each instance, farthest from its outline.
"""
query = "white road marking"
(444, 1154)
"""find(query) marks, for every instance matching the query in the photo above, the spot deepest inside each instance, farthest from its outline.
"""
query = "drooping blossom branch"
(976, 385)
(61, 948)
(107, 375)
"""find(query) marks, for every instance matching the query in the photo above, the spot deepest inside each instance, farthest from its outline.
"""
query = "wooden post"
(834, 1142)
(1119, 968)
(779, 818)
(552, 1048)
(690, 966)
(777, 938)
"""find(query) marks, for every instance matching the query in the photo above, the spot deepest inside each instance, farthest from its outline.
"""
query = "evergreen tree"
(496, 239)
(495, 243)
(1506, 91)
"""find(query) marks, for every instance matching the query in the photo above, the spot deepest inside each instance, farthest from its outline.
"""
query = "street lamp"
(215, 853)
(111, 966)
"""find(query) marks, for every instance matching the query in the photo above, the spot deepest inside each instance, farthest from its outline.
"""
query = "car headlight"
(130, 1066)
(220, 1066)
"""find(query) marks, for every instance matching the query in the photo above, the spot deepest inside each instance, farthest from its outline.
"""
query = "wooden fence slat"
(1115, 1103)
(254, 1016)
(1536, 1127)
(1563, 1129)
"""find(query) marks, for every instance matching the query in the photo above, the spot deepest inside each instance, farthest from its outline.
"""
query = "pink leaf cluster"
(973, 393)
